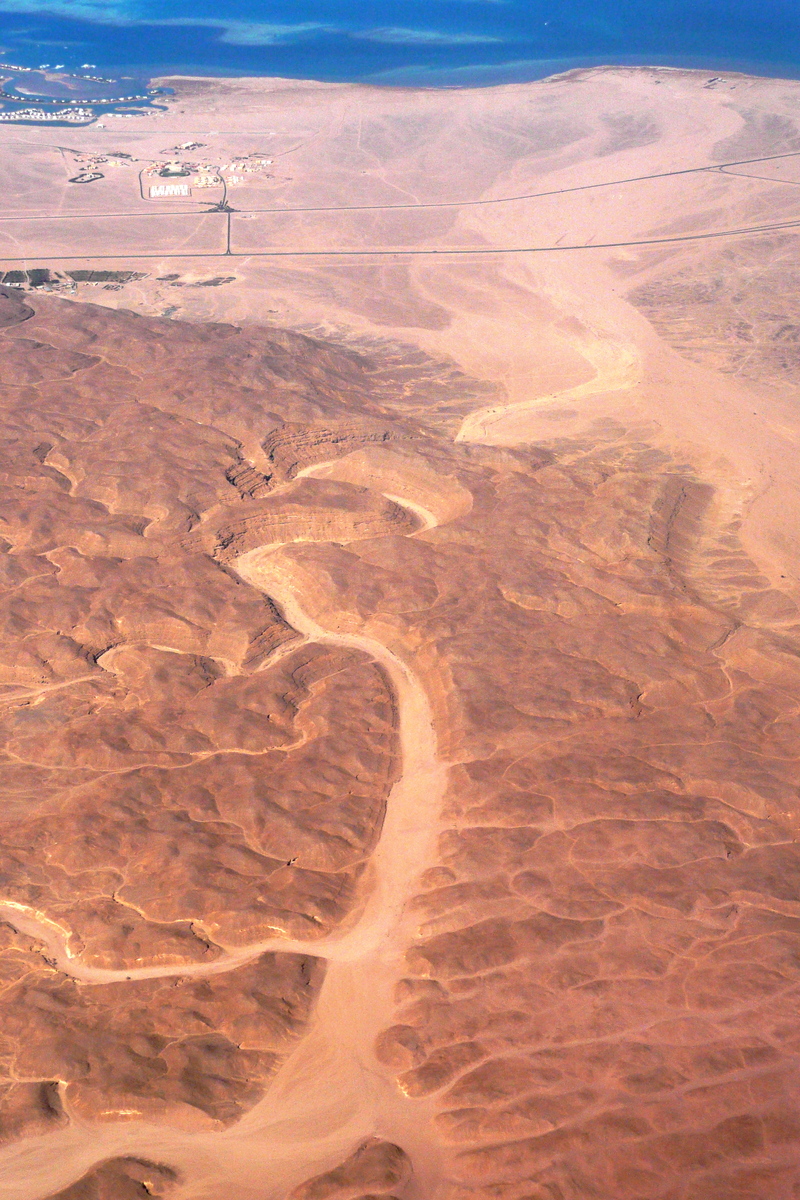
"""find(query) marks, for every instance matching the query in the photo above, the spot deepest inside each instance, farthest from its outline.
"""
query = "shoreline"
(162, 91)
(570, 75)
(484, 77)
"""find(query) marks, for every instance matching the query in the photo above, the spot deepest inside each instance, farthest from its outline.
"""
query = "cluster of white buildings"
(247, 166)
(203, 175)
(75, 116)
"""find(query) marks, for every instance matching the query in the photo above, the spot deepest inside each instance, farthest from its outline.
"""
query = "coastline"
(478, 76)
(154, 93)
(481, 77)
(572, 74)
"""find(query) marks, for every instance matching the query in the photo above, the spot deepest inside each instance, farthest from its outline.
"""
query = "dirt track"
(616, 368)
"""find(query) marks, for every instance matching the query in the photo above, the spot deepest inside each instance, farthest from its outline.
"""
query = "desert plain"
(400, 657)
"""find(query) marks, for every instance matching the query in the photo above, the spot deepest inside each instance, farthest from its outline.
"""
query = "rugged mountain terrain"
(601, 982)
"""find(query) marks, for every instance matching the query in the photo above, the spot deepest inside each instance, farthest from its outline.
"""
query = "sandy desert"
(400, 657)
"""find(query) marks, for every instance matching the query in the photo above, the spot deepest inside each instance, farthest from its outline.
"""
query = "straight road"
(404, 252)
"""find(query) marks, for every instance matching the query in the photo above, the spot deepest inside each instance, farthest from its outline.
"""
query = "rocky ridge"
(597, 992)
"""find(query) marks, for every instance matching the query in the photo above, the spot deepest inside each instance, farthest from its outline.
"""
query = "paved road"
(724, 168)
(229, 249)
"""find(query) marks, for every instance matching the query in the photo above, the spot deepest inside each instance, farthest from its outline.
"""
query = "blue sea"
(430, 42)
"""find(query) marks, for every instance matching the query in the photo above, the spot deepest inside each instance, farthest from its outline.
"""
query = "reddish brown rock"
(375, 1168)
(121, 1179)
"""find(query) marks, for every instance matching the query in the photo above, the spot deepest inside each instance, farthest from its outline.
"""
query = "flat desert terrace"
(195, 197)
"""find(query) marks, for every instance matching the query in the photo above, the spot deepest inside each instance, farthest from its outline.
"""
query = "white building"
(160, 190)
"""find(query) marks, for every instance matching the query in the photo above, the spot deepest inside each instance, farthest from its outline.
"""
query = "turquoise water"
(435, 42)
